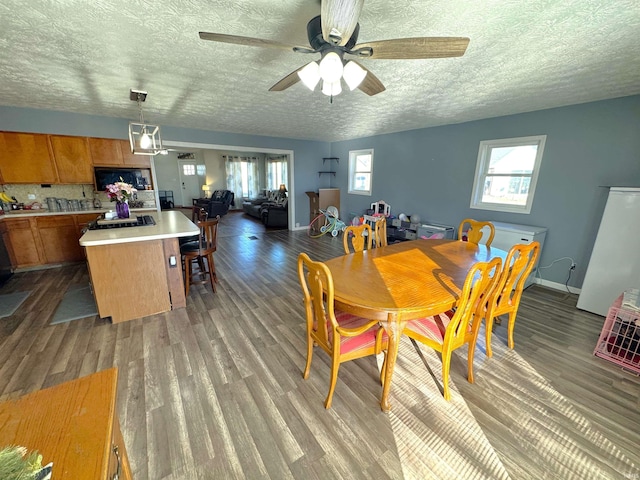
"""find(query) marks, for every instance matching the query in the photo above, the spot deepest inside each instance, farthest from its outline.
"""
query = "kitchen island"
(137, 271)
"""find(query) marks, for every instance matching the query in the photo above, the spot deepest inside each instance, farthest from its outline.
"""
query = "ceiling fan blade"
(416, 48)
(370, 85)
(339, 19)
(249, 41)
(287, 81)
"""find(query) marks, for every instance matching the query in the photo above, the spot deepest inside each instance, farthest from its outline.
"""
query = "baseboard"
(556, 286)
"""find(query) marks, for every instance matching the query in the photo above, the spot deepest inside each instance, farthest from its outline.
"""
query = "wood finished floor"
(215, 390)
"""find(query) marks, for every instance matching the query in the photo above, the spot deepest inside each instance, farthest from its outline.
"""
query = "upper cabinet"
(131, 160)
(26, 158)
(110, 152)
(105, 151)
(72, 158)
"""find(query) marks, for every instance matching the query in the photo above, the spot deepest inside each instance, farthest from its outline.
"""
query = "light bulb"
(310, 75)
(353, 74)
(331, 67)
(331, 89)
(145, 140)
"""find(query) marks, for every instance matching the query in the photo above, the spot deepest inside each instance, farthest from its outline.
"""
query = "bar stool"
(201, 251)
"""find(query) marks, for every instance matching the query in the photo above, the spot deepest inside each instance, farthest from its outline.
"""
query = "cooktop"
(139, 221)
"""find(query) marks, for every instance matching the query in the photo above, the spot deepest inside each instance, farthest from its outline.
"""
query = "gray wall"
(430, 172)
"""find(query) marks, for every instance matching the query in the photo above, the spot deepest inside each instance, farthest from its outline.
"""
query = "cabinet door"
(26, 158)
(72, 158)
(132, 160)
(105, 151)
(60, 239)
(22, 242)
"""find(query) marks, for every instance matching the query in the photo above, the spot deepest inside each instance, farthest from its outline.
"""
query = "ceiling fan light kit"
(144, 138)
(334, 34)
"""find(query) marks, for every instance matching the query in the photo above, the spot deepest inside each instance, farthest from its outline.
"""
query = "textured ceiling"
(80, 56)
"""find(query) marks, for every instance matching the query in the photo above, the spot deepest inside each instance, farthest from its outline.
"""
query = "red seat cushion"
(364, 341)
(431, 327)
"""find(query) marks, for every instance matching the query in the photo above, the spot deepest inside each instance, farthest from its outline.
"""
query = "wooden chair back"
(475, 231)
(451, 330)
(198, 214)
(506, 297)
(379, 226)
(330, 329)
(208, 235)
(358, 236)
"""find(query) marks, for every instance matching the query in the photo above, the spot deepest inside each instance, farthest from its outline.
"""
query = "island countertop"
(169, 224)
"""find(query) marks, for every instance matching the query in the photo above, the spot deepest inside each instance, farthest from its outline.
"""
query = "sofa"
(275, 214)
(271, 209)
(218, 204)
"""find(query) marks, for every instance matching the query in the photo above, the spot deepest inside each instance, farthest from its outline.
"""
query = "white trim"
(482, 167)
(207, 146)
(353, 154)
(556, 286)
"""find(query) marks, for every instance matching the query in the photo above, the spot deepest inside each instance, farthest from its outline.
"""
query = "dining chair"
(341, 335)
(198, 214)
(378, 225)
(448, 331)
(380, 232)
(475, 231)
(360, 235)
(201, 251)
(506, 297)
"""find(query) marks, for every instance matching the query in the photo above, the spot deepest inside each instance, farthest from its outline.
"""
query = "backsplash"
(70, 192)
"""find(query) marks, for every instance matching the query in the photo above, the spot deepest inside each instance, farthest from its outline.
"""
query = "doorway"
(192, 178)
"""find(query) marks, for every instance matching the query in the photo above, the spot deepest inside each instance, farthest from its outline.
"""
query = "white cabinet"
(510, 234)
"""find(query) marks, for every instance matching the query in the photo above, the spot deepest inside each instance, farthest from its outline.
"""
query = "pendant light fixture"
(144, 138)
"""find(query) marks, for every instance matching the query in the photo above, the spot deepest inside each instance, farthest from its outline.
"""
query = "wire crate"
(619, 340)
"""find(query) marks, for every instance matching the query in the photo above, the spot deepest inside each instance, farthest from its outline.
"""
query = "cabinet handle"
(116, 476)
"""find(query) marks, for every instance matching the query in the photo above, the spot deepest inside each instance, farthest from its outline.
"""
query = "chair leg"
(212, 267)
(470, 357)
(510, 328)
(307, 368)
(383, 372)
(187, 276)
(211, 272)
(488, 333)
(446, 365)
(335, 365)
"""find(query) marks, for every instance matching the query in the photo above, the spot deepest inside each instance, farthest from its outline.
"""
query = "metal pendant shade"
(144, 138)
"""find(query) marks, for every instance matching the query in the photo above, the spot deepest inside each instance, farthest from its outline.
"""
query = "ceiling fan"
(333, 34)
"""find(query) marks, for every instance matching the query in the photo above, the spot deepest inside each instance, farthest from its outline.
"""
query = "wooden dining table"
(402, 282)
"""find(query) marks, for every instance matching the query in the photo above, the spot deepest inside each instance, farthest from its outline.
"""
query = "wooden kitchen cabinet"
(131, 160)
(26, 158)
(113, 152)
(74, 425)
(72, 158)
(60, 239)
(22, 241)
(105, 151)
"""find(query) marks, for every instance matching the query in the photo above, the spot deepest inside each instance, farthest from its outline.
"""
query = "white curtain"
(242, 177)
(276, 171)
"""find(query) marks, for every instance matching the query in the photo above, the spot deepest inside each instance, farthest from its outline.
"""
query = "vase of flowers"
(120, 192)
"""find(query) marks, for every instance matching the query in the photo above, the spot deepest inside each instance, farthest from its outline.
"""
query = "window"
(506, 174)
(276, 172)
(360, 171)
(188, 169)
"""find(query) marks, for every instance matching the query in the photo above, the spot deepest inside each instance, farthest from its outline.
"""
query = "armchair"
(219, 203)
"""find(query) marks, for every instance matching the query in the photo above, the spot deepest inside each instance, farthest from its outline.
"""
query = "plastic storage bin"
(619, 340)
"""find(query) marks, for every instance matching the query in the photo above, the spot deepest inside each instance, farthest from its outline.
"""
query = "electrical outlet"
(31, 196)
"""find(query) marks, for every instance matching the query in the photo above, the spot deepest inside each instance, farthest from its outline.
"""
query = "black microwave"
(133, 176)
